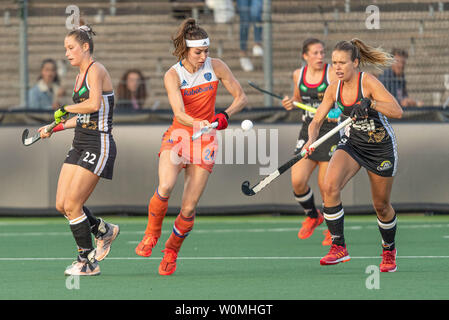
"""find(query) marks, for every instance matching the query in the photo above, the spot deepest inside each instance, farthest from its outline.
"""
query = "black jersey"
(97, 122)
(312, 94)
(372, 138)
(93, 147)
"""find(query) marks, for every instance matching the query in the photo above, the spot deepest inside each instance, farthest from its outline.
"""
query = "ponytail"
(188, 30)
(83, 34)
(367, 55)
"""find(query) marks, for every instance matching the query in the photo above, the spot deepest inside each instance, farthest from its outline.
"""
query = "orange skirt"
(201, 152)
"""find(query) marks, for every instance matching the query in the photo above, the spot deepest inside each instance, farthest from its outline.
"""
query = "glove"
(222, 119)
(60, 114)
(360, 110)
(334, 113)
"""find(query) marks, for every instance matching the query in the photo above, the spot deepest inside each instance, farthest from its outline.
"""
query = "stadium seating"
(138, 36)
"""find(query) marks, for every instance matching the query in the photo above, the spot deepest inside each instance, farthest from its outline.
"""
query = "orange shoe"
(145, 247)
(309, 225)
(327, 238)
(388, 263)
(336, 255)
(168, 263)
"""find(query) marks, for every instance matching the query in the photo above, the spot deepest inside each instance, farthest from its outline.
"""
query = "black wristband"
(226, 115)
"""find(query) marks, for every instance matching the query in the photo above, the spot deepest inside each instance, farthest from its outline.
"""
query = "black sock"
(93, 221)
(335, 217)
(388, 233)
(81, 232)
(307, 201)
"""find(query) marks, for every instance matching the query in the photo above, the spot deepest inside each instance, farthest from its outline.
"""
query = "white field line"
(220, 258)
(252, 230)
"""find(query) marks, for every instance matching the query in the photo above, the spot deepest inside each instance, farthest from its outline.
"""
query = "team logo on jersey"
(184, 83)
(322, 87)
(385, 165)
(320, 95)
(82, 90)
(377, 135)
(208, 76)
(191, 92)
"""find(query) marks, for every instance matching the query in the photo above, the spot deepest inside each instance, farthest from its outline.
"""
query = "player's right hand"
(60, 115)
(307, 149)
(43, 132)
(287, 103)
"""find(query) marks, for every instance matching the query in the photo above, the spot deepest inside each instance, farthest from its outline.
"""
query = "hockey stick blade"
(246, 189)
(28, 141)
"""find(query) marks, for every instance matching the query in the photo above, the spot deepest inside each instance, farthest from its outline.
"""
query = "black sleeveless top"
(374, 131)
(97, 122)
(313, 94)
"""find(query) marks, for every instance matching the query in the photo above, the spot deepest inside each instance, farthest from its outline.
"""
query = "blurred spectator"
(47, 92)
(394, 79)
(250, 12)
(132, 91)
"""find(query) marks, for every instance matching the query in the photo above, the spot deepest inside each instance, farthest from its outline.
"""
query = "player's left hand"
(60, 115)
(334, 115)
(222, 119)
(360, 110)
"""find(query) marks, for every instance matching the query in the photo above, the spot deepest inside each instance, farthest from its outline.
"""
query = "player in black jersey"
(370, 143)
(92, 153)
(310, 83)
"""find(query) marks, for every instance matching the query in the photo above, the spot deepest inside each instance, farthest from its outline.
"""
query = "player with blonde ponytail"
(370, 143)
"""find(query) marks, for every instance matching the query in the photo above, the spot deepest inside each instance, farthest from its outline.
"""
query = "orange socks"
(181, 230)
(156, 213)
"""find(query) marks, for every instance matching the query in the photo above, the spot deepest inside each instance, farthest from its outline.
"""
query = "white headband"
(197, 43)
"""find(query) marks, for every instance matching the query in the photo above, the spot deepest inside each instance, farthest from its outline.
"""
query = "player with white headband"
(191, 86)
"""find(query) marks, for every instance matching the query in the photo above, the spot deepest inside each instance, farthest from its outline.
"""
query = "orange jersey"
(199, 91)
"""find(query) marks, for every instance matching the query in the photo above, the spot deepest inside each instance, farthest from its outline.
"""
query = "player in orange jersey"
(191, 86)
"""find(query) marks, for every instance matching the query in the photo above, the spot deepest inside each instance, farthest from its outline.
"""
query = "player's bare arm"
(382, 100)
(231, 84)
(95, 77)
(287, 102)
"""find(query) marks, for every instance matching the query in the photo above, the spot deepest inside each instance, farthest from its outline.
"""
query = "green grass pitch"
(229, 258)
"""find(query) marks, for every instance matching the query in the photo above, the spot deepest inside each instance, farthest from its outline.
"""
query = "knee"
(299, 186)
(382, 209)
(164, 189)
(188, 210)
(71, 208)
(60, 206)
(330, 189)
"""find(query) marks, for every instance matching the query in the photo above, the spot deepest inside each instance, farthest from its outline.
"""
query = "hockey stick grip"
(50, 127)
(203, 130)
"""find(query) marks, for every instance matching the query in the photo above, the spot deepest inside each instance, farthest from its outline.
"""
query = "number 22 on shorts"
(90, 157)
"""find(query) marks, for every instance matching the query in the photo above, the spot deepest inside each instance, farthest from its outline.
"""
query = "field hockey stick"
(295, 103)
(29, 141)
(268, 179)
(203, 130)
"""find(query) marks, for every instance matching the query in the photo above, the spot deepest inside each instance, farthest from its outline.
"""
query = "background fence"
(136, 34)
